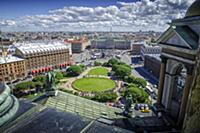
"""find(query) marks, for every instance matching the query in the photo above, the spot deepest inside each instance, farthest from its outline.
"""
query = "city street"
(148, 76)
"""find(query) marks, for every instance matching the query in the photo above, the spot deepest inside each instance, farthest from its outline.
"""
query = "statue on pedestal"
(127, 107)
(50, 84)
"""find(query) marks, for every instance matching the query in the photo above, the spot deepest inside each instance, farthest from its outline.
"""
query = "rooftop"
(39, 47)
(156, 56)
(65, 113)
(74, 41)
(9, 59)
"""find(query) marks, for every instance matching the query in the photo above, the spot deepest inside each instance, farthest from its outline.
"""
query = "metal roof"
(32, 48)
(9, 59)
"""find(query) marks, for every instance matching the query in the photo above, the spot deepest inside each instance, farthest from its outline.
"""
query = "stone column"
(186, 92)
(162, 78)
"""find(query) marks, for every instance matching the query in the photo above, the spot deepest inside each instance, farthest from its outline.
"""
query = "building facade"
(12, 68)
(136, 48)
(111, 43)
(149, 50)
(152, 63)
(78, 45)
(42, 57)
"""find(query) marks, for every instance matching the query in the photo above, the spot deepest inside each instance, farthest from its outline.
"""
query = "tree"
(140, 82)
(82, 66)
(59, 76)
(39, 78)
(25, 85)
(129, 79)
(122, 71)
(138, 94)
(105, 97)
(74, 70)
(112, 62)
(96, 63)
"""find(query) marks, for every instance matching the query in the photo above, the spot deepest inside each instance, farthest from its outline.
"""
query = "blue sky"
(90, 15)
(17, 8)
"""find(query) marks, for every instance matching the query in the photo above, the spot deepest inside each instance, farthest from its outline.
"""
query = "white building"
(149, 50)
(111, 43)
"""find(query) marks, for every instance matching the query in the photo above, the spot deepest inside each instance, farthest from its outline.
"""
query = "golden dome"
(194, 9)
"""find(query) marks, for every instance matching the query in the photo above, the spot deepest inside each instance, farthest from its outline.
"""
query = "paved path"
(68, 84)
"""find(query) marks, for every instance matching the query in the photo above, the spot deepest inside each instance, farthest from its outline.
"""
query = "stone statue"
(50, 83)
(128, 103)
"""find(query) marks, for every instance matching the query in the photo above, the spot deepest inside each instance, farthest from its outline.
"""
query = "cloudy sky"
(89, 15)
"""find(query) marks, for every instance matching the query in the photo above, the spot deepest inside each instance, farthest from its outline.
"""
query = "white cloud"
(141, 15)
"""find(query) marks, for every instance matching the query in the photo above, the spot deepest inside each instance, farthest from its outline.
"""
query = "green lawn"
(99, 71)
(94, 84)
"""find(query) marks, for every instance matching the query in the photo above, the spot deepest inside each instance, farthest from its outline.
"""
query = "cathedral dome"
(194, 9)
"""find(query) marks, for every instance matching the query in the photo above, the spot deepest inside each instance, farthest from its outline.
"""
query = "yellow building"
(12, 68)
(42, 57)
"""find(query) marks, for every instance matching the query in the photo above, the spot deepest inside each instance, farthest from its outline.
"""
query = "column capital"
(163, 59)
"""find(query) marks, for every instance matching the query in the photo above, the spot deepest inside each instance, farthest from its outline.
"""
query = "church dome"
(194, 9)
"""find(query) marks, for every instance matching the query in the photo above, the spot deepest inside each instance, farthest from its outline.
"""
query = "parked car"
(137, 107)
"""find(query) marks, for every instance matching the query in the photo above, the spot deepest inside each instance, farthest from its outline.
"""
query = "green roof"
(188, 35)
(83, 107)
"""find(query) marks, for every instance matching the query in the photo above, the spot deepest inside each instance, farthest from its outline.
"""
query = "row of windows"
(11, 71)
(11, 64)
(38, 62)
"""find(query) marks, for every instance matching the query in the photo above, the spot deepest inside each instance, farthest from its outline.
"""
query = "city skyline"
(99, 15)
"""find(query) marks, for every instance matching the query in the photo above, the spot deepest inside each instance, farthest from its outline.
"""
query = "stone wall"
(192, 121)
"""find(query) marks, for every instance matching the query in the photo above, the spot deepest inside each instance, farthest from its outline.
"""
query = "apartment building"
(42, 57)
(12, 68)
(150, 50)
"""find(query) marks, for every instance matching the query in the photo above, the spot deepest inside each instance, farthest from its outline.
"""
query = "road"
(146, 75)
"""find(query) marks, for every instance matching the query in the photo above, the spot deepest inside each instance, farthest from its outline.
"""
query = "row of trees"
(38, 84)
(135, 85)
(105, 97)
(139, 82)
(119, 69)
(123, 71)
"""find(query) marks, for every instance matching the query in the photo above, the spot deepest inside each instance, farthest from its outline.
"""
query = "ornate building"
(180, 61)
(11, 67)
(41, 57)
